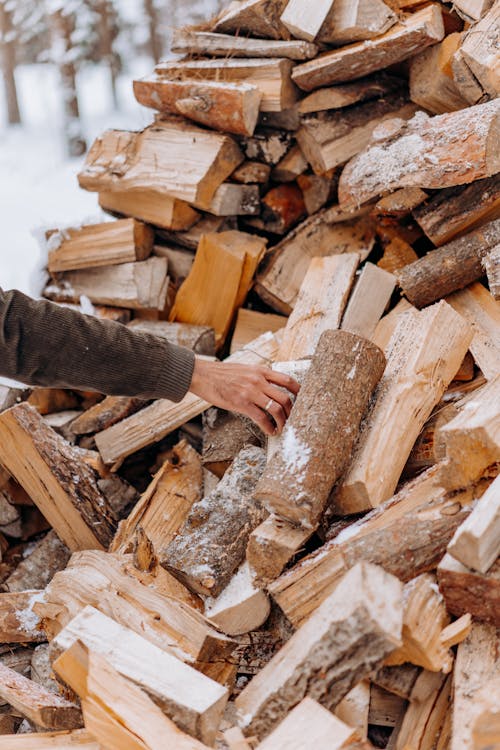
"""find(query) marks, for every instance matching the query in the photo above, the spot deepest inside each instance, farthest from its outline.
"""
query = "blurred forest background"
(67, 69)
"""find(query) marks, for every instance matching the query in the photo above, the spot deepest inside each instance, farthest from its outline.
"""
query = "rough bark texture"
(224, 435)
(452, 211)
(224, 45)
(466, 590)
(212, 542)
(451, 267)
(63, 486)
(322, 429)
(36, 570)
(345, 639)
(491, 265)
(18, 622)
(463, 145)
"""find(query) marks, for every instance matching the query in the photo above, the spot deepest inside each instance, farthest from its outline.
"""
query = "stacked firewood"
(319, 192)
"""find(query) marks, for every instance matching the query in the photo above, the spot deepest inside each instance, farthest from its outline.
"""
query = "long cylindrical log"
(212, 542)
(323, 426)
(428, 152)
(229, 107)
(449, 268)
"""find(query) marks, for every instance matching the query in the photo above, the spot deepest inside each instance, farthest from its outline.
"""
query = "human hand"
(251, 390)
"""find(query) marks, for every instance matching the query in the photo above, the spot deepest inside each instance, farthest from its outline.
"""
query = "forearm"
(44, 344)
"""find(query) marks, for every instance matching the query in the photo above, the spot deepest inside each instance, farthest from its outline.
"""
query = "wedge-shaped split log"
(431, 79)
(41, 706)
(466, 590)
(479, 51)
(211, 544)
(240, 607)
(62, 486)
(259, 18)
(113, 242)
(424, 619)
(118, 713)
(168, 158)
(310, 725)
(368, 301)
(297, 481)
(146, 205)
(272, 545)
(463, 146)
(426, 714)
(348, 636)
(270, 78)
(194, 702)
(403, 40)
(228, 107)
(425, 352)
(476, 543)
(448, 268)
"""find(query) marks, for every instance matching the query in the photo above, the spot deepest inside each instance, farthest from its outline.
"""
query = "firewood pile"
(319, 192)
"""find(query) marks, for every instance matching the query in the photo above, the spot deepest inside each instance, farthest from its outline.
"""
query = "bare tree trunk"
(8, 65)
(106, 37)
(155, 43)
(62, 27)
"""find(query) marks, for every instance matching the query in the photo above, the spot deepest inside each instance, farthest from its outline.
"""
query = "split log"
(329, 139)
(457, 631)
(78, 738)
(18, 622)
(340, 22)
(154, 422)
(39, 705)
(491, 264)
(303, 21)
(461, 153)
(353, 709)
(50, 400)
(348, 636)
(433, 343)
(107, 244)
(62, 486)
(240, 607)
(168, 158)
(106, 413)
(251, 172)
(235, 200)
(466, 590)
(424, 619)
(368, 301)
(141, 285)
(320, 304)
(272, 545)
(219, 105)
(397, 680)
(471, 439)
(164, 506)
(293, 164)
(118, 713)
(317, 191)
(399, 204)
(482, 311)
(282, 207)
(37, 569)
(270, 77)
(266, 146)
(480, 52)
(478, 661)
(259, 18)
(397, 255)
(235, 739)
(408, 535)
(165, 619)
(403, 40)
(198, 338)
(451, 267)
(224, 435)
(146, 205)
(250, 324)
(234, 254)
(212, 542)
(297, 482)
(431, 79)
(223, 45)
(465, 80)
(429, 705)
(486, 730)
(192, 700)
(10, 518)
(346, 94)
(330, 232)
(310, 725)
(190, 238)
(453, 211)
(473, 9)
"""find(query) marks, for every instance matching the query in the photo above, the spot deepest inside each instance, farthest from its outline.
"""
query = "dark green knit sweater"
(44, 344)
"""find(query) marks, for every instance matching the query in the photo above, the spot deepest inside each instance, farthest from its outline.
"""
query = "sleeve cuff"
(176, 373)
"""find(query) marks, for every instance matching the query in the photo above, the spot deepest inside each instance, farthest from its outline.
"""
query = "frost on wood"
(428, 152)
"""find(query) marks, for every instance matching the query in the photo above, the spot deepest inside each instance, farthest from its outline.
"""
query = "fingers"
(280, 379)
(262, 419)
(279, 396)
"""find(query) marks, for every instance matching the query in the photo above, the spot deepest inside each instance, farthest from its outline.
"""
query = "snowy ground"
(38, 186)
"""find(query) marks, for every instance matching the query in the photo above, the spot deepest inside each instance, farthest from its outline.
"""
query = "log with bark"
(221, 45)
(160, 210)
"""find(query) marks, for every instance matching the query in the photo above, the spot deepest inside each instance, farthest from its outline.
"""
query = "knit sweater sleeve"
(44, 344)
